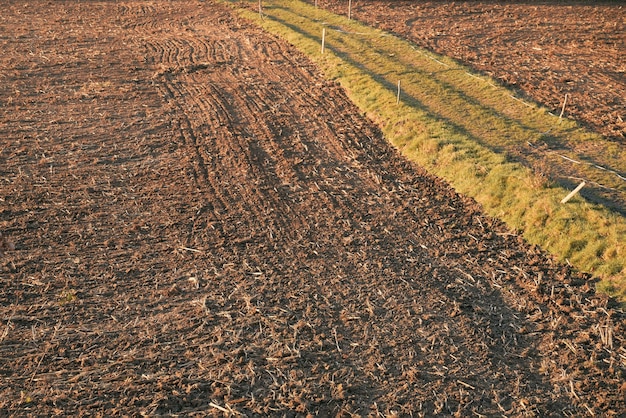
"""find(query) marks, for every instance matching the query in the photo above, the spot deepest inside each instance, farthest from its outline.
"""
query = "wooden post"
(323, 38)
(576, 190)
(398, 98)
(349, 9)
(563, 108)
(260, 9)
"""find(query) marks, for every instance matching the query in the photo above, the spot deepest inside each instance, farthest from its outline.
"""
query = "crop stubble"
(202, 223)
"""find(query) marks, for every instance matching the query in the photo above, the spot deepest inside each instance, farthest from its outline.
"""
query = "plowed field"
(195, 222)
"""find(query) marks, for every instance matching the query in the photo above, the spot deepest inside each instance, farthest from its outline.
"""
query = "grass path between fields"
(464, 128)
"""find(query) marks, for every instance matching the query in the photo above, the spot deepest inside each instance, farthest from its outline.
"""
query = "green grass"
(461, 126)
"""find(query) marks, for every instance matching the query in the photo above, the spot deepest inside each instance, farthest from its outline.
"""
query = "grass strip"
(459, 126)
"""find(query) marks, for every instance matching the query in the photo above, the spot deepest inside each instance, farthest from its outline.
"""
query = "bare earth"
(194, 222)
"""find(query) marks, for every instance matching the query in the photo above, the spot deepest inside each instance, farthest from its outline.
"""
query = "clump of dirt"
(5, 244)
(204, 225)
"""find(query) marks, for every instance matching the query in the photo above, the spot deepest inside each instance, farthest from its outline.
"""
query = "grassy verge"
(461, 126)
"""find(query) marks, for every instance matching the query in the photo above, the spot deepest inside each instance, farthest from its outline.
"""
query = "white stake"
(323, 38)
(398, 98)
(349, 9)
(576, 190)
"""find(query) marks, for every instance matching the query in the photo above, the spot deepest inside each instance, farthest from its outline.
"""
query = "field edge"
(579, 233)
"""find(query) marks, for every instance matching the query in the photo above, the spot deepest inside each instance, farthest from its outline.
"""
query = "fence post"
(398, 98)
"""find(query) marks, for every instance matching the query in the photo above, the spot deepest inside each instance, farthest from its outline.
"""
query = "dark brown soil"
(194, 222)
(545, 49)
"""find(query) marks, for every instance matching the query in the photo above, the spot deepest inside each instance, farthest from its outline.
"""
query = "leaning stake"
(576, 190)
(563, 108)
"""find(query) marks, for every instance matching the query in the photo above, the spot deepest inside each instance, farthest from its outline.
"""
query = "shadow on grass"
(612, 199)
